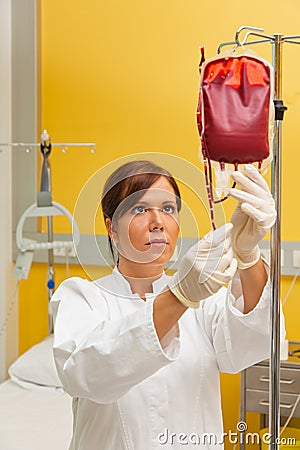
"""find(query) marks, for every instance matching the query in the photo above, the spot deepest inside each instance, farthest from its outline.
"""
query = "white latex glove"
(206, 267)
(253, 217)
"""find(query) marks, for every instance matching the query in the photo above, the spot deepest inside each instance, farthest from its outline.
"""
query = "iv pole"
(277, 41)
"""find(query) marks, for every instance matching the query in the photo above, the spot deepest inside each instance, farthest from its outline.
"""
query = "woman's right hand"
(206, 267)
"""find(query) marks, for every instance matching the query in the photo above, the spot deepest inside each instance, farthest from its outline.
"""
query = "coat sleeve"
(238, 340)
(98, 358)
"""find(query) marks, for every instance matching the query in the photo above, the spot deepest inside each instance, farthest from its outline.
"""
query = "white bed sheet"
(34, 420)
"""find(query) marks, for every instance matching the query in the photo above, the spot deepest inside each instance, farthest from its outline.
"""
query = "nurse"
(140, 352)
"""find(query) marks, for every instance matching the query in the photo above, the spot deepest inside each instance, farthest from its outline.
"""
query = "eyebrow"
(143, 203)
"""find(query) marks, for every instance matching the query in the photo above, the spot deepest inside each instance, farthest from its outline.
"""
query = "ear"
(111, 231)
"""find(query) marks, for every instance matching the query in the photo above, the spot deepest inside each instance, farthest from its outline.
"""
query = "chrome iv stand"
(277, 41)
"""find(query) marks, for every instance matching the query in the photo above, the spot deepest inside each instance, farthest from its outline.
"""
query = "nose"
(156, 222)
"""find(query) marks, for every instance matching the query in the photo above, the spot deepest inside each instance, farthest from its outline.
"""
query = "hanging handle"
(281, 405)
(282, 380)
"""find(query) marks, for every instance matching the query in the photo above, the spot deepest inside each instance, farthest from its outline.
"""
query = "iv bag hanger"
(254, 32)
(277, 41)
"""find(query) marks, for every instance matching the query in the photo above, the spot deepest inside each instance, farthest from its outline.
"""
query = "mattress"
(35, 411)
(33, 419)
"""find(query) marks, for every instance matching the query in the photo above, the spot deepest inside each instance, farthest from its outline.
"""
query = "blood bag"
(235, 115)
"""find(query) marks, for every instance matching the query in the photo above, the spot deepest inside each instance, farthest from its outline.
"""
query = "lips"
(157, 242)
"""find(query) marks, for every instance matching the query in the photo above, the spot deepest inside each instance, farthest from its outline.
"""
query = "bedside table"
(254, 392)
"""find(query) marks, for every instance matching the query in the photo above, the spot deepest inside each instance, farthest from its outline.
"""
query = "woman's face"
(147, 232)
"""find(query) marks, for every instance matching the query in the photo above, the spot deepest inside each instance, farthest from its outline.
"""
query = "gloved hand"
(253, 217)
(206, 267)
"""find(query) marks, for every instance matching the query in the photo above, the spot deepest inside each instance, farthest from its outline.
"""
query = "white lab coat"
(133, 392)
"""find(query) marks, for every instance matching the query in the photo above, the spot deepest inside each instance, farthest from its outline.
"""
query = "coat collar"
(157, 285)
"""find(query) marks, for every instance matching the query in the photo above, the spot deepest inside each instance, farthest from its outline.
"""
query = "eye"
(138, 209)
(169, 209)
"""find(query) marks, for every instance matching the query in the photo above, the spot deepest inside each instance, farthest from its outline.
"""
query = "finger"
(216, 237)
(222, 278)
(225, 260)
(261, 218)
(254, 213)
(215, 253)
(227, 275)
(246, 197)
(254, 174)
(216, 260)
(230, 271)
(251, 182)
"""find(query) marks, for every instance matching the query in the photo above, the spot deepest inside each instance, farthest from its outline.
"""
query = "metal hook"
(244, 27)
(266, 37)
(291, 39)
(45, 144)
(244, 42)
(250, 33)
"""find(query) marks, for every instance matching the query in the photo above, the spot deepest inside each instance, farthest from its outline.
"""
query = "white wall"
(8, 293)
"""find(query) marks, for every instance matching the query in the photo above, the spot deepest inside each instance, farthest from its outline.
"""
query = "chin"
(160, 261)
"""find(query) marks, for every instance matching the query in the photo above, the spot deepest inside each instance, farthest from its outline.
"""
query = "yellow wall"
(124, 74)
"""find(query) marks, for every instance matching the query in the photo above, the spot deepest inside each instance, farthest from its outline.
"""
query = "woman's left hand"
(253, 217)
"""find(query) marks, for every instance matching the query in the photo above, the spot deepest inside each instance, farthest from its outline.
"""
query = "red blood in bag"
(235, 107)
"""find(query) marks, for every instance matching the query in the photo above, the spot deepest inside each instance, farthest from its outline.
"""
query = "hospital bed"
(35, 412)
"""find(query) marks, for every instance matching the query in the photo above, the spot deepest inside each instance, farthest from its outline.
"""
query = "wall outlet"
(72, 252)
(63, 252)
(296, 259)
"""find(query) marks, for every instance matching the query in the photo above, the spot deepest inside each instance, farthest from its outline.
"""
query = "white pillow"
(35, 369)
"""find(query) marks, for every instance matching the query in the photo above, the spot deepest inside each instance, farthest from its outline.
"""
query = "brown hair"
(131, 178)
